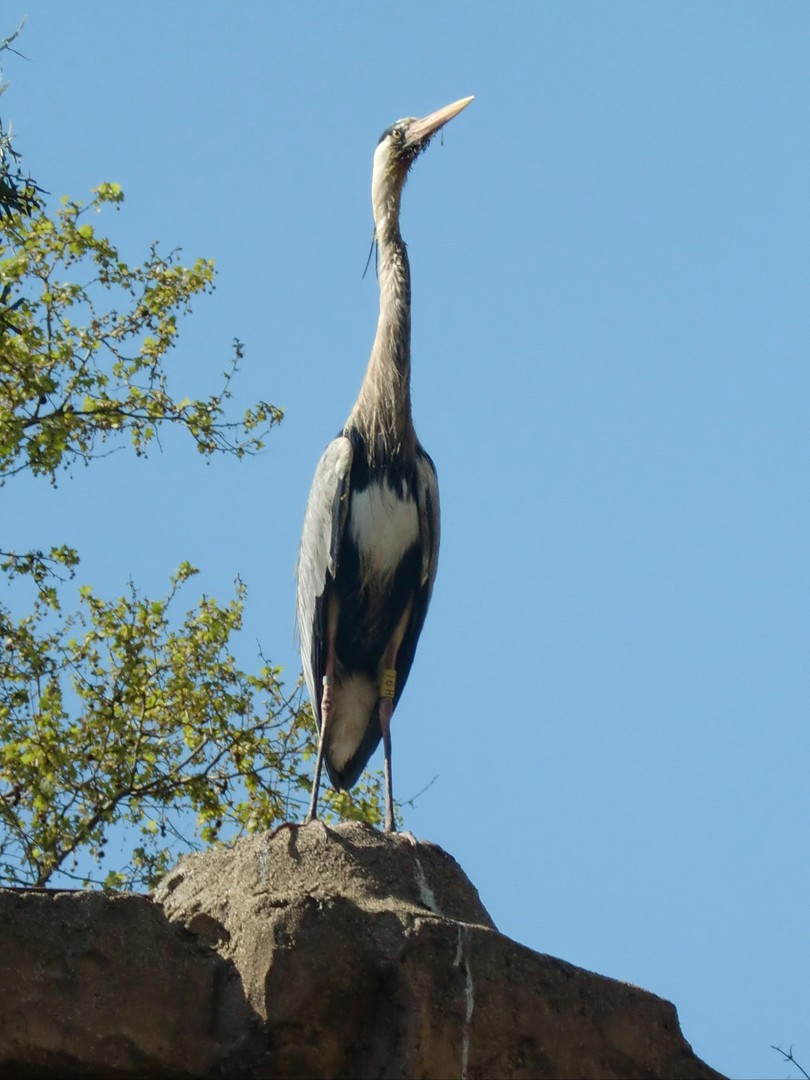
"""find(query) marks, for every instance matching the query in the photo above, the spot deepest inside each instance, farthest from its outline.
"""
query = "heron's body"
(380, 532)
(370, 543)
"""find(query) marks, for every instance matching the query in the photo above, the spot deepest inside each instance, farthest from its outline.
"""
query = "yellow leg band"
(388, 683)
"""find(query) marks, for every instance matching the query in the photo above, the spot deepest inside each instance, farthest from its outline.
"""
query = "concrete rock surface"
(311, 952)
(104, 986)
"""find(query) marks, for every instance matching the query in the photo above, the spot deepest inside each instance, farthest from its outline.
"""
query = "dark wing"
(324, 522)
(427, 502)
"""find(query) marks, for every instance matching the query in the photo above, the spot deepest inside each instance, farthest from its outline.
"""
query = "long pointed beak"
(420, 130)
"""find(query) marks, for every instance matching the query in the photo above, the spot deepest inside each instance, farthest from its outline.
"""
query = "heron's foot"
(291, 825)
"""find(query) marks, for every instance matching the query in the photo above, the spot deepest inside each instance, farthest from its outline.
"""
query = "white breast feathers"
(383, 525)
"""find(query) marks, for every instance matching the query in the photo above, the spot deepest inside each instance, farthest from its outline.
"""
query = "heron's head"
(401, 144)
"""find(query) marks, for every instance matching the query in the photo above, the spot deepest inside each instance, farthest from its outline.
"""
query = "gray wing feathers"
(324, 521)
(427, 501)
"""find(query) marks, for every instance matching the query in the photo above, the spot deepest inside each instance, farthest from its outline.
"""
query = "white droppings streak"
(462, 957)
(426, 894)
(462, 961)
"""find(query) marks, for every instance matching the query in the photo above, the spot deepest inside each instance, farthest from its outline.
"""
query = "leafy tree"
(125, 712)
(17, 191)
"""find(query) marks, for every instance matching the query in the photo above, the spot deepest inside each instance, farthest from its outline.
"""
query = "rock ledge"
(311, 952)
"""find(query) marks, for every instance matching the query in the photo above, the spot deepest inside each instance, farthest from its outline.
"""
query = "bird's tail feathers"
(354, 730)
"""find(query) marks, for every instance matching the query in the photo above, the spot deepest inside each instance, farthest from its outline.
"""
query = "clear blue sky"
(611, 344)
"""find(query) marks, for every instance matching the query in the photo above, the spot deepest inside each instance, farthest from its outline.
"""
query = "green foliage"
(18, 192)
(116, 714)
(125, 714)
(85, 345)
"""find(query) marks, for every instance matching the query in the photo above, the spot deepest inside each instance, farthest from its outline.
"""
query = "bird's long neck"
(382, 412)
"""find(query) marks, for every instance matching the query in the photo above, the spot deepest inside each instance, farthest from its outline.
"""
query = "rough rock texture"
(310, 953)
(105, 986)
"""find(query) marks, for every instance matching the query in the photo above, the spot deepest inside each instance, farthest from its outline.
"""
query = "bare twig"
(6, 42)
(788, 1056)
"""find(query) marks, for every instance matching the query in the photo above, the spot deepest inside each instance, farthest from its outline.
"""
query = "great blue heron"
(370, 542)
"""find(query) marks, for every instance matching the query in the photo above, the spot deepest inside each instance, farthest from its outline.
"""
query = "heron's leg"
(327, 706)
(388, 685)
(386, 708)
